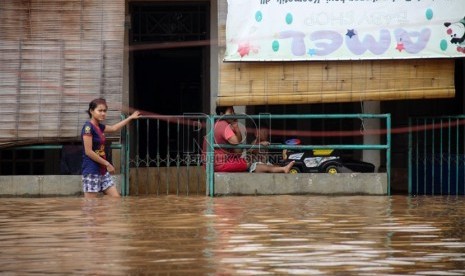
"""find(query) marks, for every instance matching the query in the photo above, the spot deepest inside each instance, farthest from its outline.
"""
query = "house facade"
(170, 58)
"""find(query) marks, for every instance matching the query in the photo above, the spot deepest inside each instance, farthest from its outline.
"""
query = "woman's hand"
(135, 115)
(110, 168)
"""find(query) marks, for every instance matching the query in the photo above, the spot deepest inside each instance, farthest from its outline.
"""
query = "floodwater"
(262, 235)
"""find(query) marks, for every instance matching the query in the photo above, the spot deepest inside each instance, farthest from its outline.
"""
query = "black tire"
(295, 169)
(332, 169)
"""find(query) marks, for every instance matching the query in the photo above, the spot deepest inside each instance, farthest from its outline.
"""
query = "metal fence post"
(210, 157)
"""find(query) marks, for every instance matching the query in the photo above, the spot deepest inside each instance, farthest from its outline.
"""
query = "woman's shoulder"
(87, 128)
(221, 124)
(87, 124)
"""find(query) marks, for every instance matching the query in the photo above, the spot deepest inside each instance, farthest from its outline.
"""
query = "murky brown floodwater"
(197, 235)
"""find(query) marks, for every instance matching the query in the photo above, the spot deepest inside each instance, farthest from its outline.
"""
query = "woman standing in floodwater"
(96, 168)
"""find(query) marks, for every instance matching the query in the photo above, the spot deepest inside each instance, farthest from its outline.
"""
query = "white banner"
(293, 30)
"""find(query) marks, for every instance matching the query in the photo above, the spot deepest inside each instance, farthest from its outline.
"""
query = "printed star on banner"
(243, 49)
(350, 33)
(311, 52)
(400, 46)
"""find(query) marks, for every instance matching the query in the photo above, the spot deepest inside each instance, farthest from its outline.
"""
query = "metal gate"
(436, 156)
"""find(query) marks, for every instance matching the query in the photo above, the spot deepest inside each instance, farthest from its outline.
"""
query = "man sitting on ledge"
(226, 131)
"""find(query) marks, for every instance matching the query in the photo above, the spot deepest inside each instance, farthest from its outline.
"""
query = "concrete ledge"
(44, 185)
(303, 183)
(225, 184)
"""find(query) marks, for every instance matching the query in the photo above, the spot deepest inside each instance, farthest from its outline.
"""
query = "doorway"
(169, 64)
(170, 57)
(169, 81)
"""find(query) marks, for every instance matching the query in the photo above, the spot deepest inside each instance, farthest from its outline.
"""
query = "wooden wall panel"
(56, 56)
(330, 82)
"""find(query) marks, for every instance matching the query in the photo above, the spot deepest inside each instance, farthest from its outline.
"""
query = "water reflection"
(300, 235)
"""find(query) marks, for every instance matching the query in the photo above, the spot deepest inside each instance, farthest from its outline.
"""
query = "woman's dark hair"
(94, 103)
(221, 109)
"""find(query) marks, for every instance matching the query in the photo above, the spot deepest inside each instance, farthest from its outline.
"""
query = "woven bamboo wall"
(261, 83)
(56, 56)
